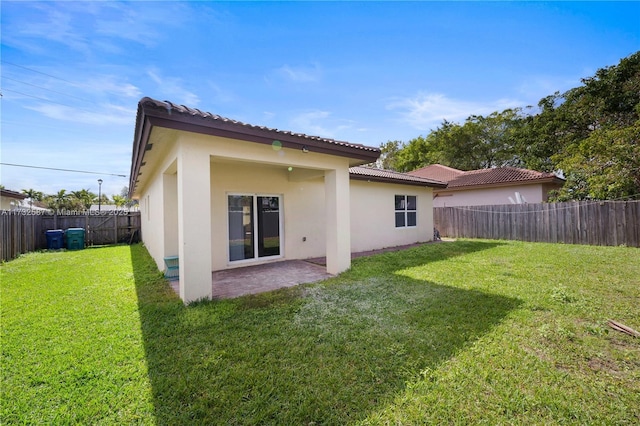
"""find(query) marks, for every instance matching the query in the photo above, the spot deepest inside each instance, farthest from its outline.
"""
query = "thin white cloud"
(55, 24)
(173, 90)
(90, 27)
(107, 114)
(110, 85)
(425, 111)
(311, 123)
(220, 94)
(536, 87)
(300, 74)
(322, 123)
(141, 25)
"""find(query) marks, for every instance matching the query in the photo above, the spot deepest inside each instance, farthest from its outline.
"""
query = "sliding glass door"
(254, 226)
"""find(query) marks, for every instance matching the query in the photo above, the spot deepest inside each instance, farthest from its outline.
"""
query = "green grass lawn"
(462, 332)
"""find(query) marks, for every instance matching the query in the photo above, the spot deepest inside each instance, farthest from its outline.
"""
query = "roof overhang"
(152, 113)
(369, 174)
(12, 194)
(550, 180)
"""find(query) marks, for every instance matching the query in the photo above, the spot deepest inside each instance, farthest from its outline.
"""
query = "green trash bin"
(75, 238)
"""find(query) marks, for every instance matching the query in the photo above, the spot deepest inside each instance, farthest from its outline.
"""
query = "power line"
(45, 88)
(36, 71)
(49, 100)
(62, 170)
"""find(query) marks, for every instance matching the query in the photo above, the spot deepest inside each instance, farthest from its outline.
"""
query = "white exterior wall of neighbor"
(5, 203)
(489, 196)
(373, 215)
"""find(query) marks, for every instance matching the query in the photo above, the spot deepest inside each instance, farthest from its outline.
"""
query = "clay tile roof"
(389, 176)
(498, 175)
(437, 172)
(165, 114)
(195, 113)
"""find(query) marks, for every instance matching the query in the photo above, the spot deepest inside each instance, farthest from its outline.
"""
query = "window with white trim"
(406, 215)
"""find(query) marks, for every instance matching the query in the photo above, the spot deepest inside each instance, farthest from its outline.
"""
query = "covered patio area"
(230, 283)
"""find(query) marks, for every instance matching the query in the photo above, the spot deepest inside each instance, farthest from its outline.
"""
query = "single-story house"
(10, 200)
(219, 194)
(501, 185)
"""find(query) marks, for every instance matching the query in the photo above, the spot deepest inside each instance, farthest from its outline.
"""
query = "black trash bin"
(75, 238)
(54, 239)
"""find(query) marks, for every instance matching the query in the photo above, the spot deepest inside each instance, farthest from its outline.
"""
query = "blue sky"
(363, 72)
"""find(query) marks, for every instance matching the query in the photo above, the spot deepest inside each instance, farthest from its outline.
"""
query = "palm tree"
(119, 200)
(85, 197)
(60, 199)
(32, 195)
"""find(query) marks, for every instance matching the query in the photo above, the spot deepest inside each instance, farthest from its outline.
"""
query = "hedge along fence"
(24, 231)
(603, 223)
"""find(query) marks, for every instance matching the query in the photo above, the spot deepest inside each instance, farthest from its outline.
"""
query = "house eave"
(395, 181)
(552, 180)
(152, 113)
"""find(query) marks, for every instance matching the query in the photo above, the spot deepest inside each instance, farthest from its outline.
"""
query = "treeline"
(76, 200)
(589, 134)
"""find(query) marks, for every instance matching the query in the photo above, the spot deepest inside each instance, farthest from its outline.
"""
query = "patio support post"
(194, 223)
(336, 184)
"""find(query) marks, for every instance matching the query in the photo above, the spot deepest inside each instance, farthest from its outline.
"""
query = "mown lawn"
(465, 332)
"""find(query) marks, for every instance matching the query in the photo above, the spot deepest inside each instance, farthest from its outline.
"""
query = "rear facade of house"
(221, 194)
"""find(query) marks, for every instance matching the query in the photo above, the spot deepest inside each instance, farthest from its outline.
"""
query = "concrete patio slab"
(236, 282)
(255, 279)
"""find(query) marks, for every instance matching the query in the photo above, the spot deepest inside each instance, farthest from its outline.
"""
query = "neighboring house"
(10, 200)
(501, 185)
(222, 194)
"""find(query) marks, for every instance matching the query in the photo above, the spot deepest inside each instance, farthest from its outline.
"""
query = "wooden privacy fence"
(25, 231)
(604, 223)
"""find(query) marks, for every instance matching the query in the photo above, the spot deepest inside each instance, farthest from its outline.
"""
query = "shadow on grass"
(323, 353)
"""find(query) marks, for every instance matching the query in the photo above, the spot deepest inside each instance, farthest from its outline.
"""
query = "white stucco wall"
(302, 209)
(489, 196)
(5, 203)
(251, 168)
(255, 169)
(373, 216)
(152, 202)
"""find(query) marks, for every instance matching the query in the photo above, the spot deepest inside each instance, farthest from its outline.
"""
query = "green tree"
(84, 198)
(419, 152)
(596, 131)
(388, 154)
(58, 200)
(33, 196)
(605, 165)
(481, 142)
(119, 200)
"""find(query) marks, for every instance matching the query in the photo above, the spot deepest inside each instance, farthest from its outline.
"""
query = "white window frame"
(405, 211)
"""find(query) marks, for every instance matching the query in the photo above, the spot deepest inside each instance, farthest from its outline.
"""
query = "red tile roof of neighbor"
(437, 171)
(496, 176)
(381, 175)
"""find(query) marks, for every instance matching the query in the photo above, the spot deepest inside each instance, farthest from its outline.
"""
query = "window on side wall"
(406, 206)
